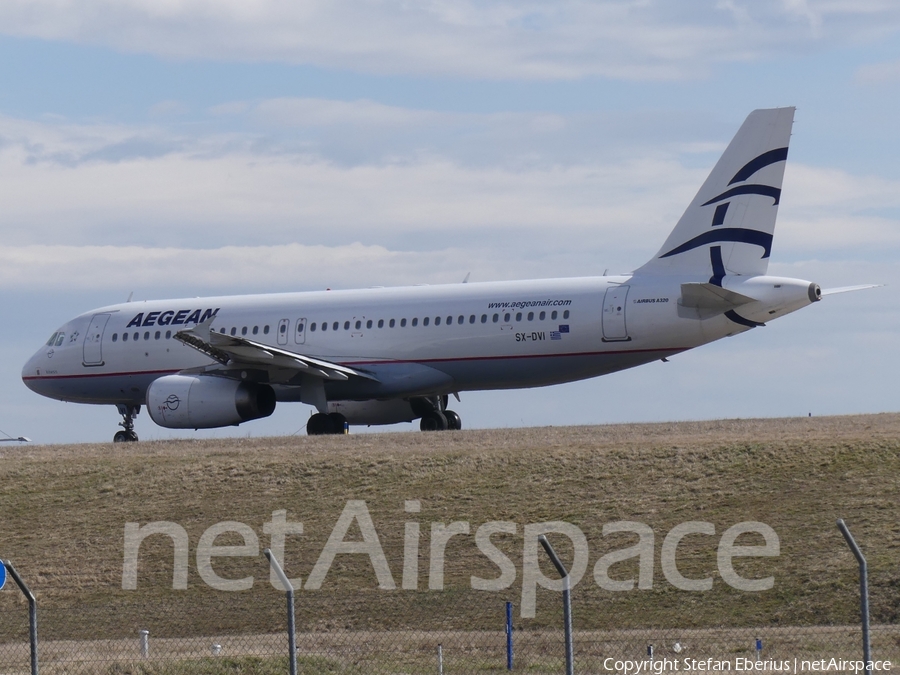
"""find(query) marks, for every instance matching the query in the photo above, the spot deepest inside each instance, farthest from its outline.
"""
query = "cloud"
(226, 269)
(879, 73)
(648, 40)
(827, 209)
(267, 211)
(67, 184)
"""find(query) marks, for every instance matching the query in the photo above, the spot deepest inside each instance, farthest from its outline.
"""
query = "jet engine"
(207, 401)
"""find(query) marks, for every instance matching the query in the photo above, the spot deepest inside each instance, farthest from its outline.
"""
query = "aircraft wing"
(233, 351)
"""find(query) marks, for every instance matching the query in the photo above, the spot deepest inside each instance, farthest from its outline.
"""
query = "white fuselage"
(413, 340)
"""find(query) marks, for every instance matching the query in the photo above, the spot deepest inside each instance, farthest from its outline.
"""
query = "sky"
(180, 148)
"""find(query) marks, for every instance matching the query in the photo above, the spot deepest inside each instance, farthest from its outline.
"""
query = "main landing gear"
(321, 424)
(436, 416)
(431, 410)
(440, 420)
(128, 413)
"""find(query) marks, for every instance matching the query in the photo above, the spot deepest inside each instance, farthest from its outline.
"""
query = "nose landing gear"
(128, 413)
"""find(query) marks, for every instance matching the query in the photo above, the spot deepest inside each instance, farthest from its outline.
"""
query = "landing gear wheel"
(128, 413)
(433, 421)
(319, 425)
(454, 423)
(338, 422)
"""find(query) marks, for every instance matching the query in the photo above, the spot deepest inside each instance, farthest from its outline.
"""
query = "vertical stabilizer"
(729, 226)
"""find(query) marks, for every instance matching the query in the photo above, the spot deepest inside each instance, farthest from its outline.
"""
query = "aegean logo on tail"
(739, 234)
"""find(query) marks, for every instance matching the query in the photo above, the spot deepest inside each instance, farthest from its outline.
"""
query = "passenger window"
(346, 325)
(462, 319)
(415, 321)
(335, 325)
(136, 336)
(506, 318)
(147, 335)
(381, 323)
(265, 330)
(553, 315)
(402, 323)
(256, 330)
(312, 327)
(566, 314)
(244, 330)
(518, 316)
(543, 316)
(369, 323)
(282, 328)
(169, 333)
(233, 330)
(496, 318)
(124, 337)
(222, 331)
(472, 318)
(531, 316)
(358, 325)
(450, 320)
(156, 335)
(324, 325)
(115, 337)
(391, 324)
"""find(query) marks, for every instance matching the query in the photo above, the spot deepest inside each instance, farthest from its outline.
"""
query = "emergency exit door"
(614, 327)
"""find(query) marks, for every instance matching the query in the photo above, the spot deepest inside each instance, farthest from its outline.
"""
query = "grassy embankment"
(64, 510)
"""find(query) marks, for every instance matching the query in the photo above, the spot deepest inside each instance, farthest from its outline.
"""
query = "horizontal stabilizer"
(710, 299)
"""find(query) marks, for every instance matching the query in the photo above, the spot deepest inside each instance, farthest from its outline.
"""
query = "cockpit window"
(59, 339)
(56, 339)
(52, 340)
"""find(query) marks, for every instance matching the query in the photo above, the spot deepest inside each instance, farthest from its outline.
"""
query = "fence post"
(863, 588)
(144, 639)
(567, 602)
(289, 592)
(32, 613)
(509, 637)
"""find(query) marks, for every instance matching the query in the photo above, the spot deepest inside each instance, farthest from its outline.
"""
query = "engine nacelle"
(374, 412)
(207, 401)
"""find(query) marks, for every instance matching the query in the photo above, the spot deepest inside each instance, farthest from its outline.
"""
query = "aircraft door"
(283, 326)
(300, 332)
(93, 341)
(614, 328)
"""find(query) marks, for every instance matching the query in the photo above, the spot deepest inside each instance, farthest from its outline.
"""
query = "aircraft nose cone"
(32, 370)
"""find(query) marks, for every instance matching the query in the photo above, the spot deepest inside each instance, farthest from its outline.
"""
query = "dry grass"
(64, 509)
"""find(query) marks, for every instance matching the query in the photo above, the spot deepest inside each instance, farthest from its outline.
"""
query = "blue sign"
(2, 575)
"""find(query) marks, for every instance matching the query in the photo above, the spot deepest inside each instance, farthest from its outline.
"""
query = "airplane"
(390, 355)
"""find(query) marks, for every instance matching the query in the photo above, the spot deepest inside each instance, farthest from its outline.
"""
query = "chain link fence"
(452, 631)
